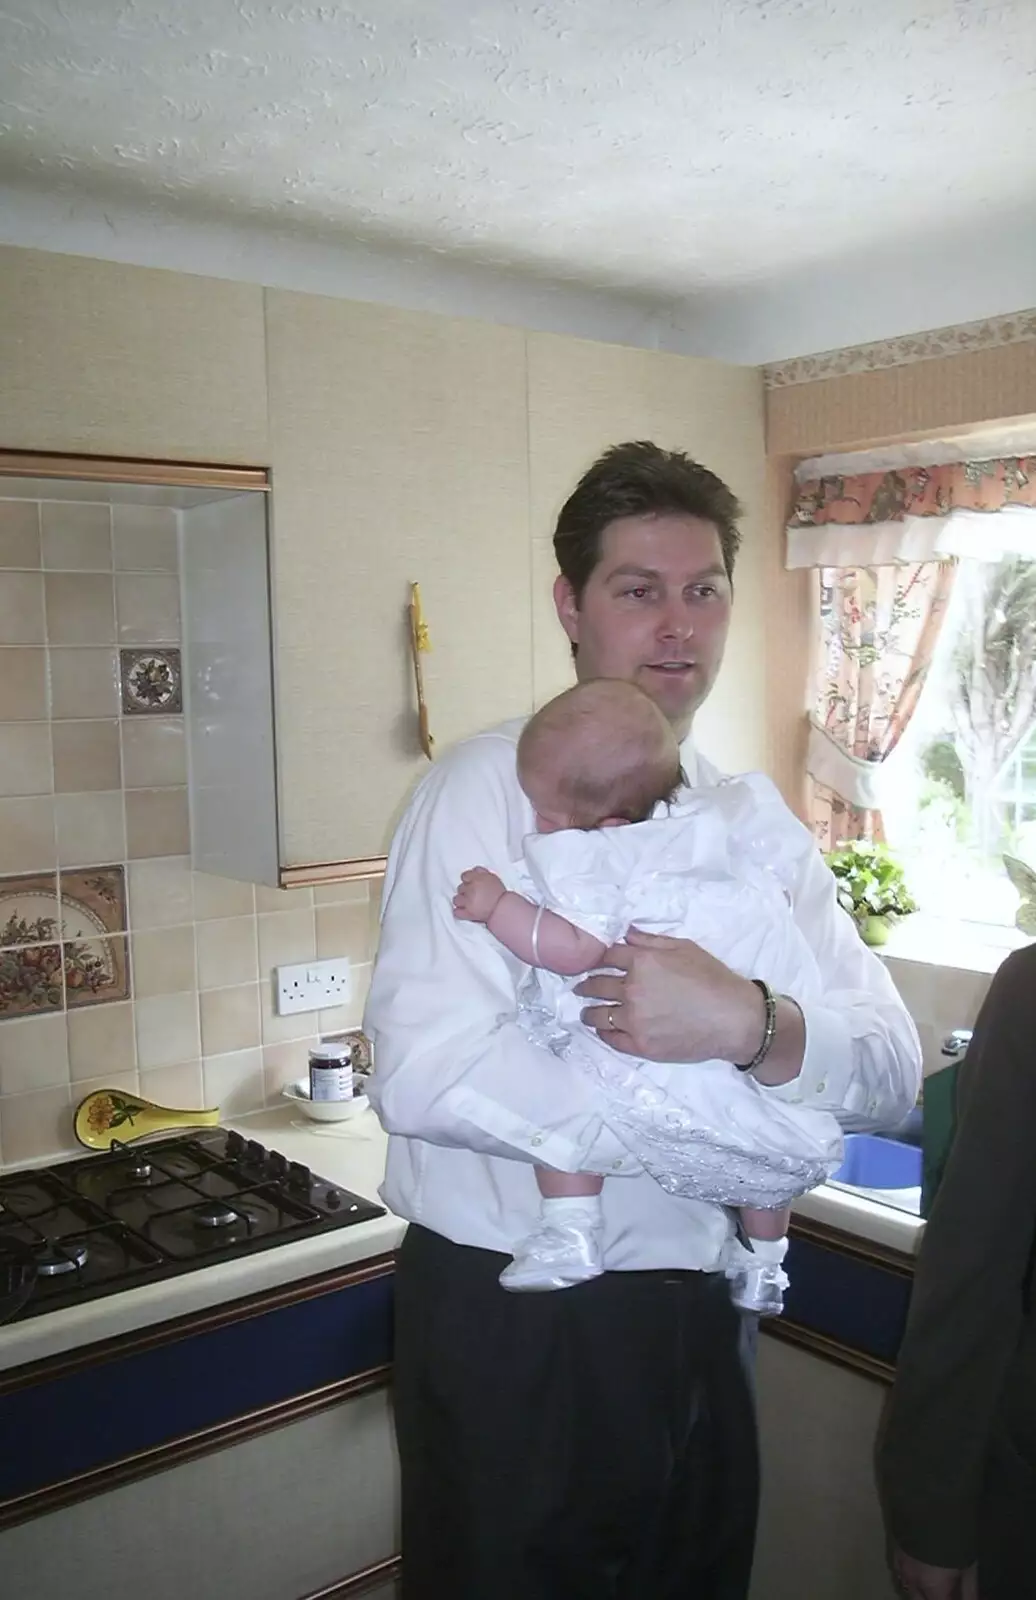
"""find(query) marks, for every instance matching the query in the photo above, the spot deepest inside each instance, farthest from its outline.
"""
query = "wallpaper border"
(989, 334)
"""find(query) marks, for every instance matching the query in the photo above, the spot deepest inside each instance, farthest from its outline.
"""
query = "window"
(960, 789)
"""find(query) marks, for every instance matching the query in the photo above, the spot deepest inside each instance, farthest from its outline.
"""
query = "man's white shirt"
(469, 1102)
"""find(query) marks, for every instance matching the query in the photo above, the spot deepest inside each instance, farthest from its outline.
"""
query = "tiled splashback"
(939, 999)
(119, 965)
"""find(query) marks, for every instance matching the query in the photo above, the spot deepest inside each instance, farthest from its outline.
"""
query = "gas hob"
(104, 1223)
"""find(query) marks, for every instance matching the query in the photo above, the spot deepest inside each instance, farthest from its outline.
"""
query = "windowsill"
(945, 942)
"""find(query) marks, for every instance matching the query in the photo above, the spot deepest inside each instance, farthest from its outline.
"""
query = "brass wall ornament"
(420, 643)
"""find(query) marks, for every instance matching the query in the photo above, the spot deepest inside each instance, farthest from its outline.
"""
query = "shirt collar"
(689, 762)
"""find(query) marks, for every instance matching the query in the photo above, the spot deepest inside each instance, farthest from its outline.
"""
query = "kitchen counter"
(855, 1214)
(350, 1154)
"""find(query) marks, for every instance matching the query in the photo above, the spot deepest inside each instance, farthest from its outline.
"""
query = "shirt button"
(822, 1086)
(872, 1107)
(617, 1165)
(537, 1138)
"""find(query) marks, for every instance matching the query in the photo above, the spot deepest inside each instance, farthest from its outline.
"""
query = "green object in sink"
(938, 1129)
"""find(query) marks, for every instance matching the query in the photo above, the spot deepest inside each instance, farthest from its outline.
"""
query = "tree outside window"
(963, 789)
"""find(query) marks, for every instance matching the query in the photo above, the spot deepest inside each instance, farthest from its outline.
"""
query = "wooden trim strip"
(850, 1244)
(174, 1452)
(333, 872)
(833, 1350)
(194, 1322)
(361, 1582)
(164, 474)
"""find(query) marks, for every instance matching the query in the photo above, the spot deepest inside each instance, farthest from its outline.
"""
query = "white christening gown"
(713, 867)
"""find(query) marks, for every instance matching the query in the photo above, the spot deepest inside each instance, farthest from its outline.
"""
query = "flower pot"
(875, 930)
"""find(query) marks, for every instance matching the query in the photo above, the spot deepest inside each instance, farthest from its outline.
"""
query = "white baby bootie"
(565, 1249)
(757, 1278)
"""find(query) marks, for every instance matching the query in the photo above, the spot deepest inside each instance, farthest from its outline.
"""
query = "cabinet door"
(584, 397)
(291, 1512)
(820, 1523)
(399, 454)
(104, 359)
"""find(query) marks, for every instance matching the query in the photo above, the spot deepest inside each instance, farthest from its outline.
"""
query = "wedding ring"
(611, 1021)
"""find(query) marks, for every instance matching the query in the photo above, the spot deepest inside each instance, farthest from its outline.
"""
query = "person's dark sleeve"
(967, 1306)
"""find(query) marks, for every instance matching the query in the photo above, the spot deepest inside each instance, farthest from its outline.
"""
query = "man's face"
(656, 611)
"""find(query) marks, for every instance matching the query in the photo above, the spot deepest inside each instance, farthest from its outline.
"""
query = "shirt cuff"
(824, 1078)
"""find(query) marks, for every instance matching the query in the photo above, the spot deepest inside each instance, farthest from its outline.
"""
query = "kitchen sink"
(872, 1162)
(882, 1169)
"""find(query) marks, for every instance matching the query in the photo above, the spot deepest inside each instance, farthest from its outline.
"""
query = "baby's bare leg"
(760, 1224)
(560, 1185)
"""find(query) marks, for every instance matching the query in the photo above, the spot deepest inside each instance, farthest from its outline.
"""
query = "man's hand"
(669, 1000)
(919, 1581)
(478, 895)
(672, 1001)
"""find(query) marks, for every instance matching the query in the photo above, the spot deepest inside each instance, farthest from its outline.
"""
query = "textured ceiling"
(658, 146)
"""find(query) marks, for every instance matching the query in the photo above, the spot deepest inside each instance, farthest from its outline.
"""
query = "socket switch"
(312, 985)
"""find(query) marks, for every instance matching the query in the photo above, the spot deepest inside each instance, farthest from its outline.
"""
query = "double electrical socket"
(312, 985)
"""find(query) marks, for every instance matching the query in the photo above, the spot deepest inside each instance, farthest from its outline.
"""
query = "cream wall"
(939, 1000)
(584, 397)
(790, 630)
(115, 328)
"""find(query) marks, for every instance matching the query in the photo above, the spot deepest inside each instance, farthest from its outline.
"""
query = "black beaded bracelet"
(769, 1029)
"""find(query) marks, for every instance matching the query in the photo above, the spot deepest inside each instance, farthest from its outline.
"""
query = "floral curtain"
(879, 630)
(915, 491)
(884, 543)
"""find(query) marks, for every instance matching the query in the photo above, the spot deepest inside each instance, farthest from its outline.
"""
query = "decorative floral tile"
(77, 931)
(93, 902)
(151, 680)
(96, 971)
(30, 981)
(28, 909)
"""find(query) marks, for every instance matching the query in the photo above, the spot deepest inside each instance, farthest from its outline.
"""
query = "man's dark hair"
(636, 480)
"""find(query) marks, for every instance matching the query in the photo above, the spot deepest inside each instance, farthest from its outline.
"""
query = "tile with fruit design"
(93, 917)
(30, 981)
(62, 945)
(96, 970)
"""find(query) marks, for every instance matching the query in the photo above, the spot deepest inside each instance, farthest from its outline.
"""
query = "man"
(596, 1441)
(957, 1459)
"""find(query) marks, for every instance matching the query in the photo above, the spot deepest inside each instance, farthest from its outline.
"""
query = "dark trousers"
(594, 1443)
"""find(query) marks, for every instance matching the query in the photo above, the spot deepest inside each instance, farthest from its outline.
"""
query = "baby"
(617, 844)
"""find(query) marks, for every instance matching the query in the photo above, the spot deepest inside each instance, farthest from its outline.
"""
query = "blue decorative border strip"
(88, 1417)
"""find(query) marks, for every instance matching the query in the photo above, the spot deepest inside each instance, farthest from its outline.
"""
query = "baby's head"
(600, 754)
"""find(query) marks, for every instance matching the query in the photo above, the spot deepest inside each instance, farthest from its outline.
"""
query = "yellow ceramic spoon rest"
(109, 1114)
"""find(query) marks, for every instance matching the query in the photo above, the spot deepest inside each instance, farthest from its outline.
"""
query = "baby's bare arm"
(559, 945)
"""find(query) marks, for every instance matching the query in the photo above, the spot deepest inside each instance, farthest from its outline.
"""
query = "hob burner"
(140, 1170)
(214, 1214)
(54, 1260)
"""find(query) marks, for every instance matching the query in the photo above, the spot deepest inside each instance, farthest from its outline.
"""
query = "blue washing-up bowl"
(872, 1162)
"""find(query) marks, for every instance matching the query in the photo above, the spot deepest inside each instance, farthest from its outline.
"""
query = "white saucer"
(323, 1110)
